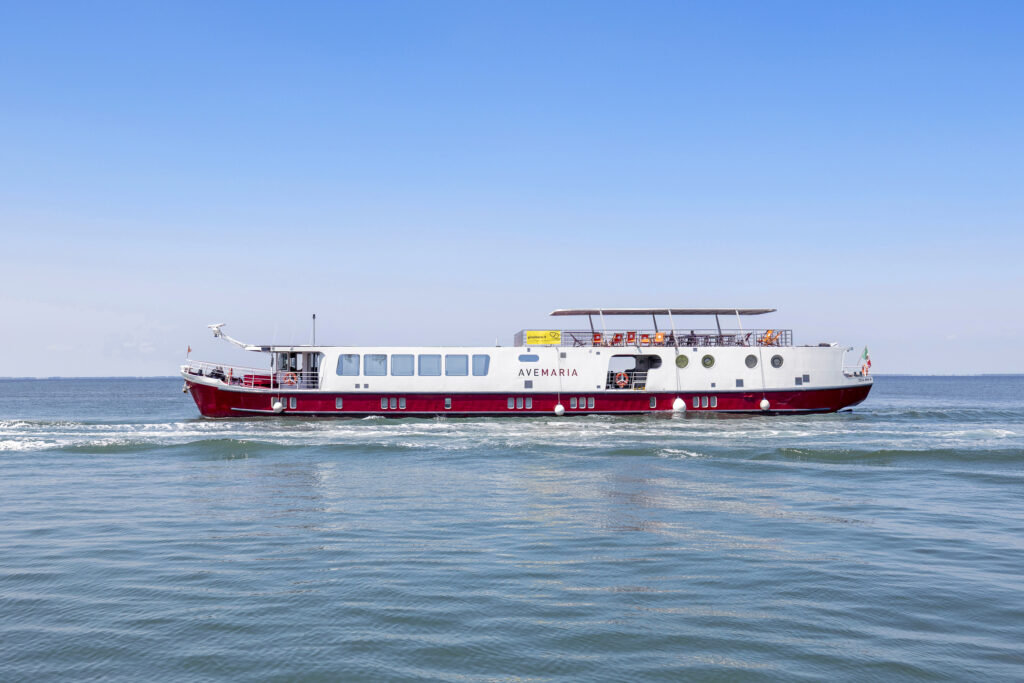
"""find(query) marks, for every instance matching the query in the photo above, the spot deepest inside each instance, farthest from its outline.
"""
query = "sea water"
(141, 542)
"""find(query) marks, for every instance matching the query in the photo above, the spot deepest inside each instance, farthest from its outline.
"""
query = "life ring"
(290, 378)
(621, 380)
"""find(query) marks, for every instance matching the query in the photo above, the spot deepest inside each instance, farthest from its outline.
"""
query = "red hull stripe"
(216, 402)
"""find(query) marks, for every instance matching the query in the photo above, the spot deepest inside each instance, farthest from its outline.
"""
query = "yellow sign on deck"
(542, 337)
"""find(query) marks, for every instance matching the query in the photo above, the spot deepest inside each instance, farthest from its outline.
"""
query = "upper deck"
(663, 335)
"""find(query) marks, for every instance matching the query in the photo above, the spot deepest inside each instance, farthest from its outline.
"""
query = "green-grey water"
(141, 542)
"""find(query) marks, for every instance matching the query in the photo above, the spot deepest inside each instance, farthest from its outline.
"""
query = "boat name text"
(546, 372)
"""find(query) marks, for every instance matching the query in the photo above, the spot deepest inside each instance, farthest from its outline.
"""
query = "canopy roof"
(662, 311)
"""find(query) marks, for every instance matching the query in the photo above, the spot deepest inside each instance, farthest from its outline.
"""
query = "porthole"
(751, 361)
(682, 361)
(707, 361)
(776, 361)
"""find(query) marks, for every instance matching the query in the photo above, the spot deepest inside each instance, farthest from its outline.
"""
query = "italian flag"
(866, 357)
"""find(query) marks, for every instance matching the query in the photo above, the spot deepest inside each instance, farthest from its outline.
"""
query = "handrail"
(681, 338)
(253, 378)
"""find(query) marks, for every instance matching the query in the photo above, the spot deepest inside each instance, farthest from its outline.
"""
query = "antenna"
(314, 329)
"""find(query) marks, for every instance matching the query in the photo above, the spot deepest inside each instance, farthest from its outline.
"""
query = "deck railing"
(626, 338)
(253, 378)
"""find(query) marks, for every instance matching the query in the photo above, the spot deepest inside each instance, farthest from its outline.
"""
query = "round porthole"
(751, 361)
(682, 361)
(707, 361)
(776, 361)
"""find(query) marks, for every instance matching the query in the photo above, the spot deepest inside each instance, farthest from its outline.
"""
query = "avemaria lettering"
(548, 372)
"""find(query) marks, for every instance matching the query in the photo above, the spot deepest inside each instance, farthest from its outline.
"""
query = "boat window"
(682, 361)
(383, 404)
(430, 364)
(375, 364)
(776, 361)
(751, 361)
(708, 361)
(714, 401)
(572, 402)
(348, 364)
(529, 404)
(654, 401)
(519, 403)
(511, 403)
(696, 402)
(401, 404)
(799, 381)
(481, 364)
(528, 358)
(456, 365)
(447, 404)
(402, 364)
(394, 403)
(590, 402)
(807, 378)
(703, 401)
(291, 403)
(739, 383)
(339, 403)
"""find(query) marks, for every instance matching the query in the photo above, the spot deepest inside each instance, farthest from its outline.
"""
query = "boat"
(592, 370)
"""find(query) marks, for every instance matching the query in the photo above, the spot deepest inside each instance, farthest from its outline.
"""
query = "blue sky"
(449, 172)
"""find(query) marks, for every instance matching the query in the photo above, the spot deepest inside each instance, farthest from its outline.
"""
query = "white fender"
(559, 410)
(678, 405)
(765, 405)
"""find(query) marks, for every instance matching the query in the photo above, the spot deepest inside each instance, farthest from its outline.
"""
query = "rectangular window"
(654, 401)
(807, 378)
(375, 364)
(338, 404)
(401, 404)
(511, 403)
(456, 365)
(528, 384)
(401, 365)
(703, 401)
(430, 365)
(481, 364)
(383, 404)
(572, 402)
(519, 403)
(394, 403)
(529, 403)
(696, 402)
(799, 381)
(292, 403)
(714, 401)
(590, 402)
(739, 383)
(447, 404)
(348, 364)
